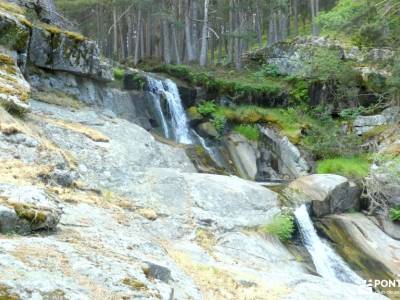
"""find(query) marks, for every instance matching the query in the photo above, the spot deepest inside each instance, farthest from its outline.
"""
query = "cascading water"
(327, 263)
(213, 152)
(169, 90)
(179, 119)
(155, 88)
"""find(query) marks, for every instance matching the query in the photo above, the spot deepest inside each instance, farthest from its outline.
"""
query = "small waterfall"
(212, 151)
(179, 119)
(327, 263)
(155, 87)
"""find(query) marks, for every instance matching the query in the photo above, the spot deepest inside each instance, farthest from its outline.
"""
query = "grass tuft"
(282, 226)
(250, 132)
(352, 167)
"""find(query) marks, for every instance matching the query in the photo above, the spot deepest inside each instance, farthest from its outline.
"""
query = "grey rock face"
(244, 155)
(328, 193)
(60, 52)
(363, 124)
(285, 156)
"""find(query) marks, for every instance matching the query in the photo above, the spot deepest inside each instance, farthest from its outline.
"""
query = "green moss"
(14, 36)
(134, 284)
(352, 167)
(250, 132)
(394, 213)
(54, 30)
(376, 131)
(12, 8)
(244, 85)
(31, 214)
(119, 73)
(193, 113)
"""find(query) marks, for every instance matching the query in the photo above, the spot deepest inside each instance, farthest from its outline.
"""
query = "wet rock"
(327, 193)
(208, 129)
(155, 271)
(13, 33)
(364, 245)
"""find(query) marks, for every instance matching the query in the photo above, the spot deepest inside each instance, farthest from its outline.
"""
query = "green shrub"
(250, 132)
(394, 214)
(351, 167)
(282, 226)
(269, 71)
(219, 122)
(119, 73)
(206, 108)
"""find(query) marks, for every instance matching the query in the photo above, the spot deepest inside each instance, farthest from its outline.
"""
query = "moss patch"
(6, 294)
(29, 213)
(134, 284)
(58, 98)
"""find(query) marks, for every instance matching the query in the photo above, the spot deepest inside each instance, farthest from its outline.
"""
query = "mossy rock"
(30, 213)
(13, 34)
(194, 116)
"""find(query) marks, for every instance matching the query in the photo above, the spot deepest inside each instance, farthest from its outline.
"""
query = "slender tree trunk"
(190, 54)
(137, 40)
(176, 47)
(204, 36)
(115, 36)
(314, 7)
(258, 23)
(231, 32)
(296, 17)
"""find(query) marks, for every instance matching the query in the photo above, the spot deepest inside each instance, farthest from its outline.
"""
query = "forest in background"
(208, 32)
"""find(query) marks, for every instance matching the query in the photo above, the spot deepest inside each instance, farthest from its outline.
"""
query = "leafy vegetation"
(119, 73)
(394, 214)
(250, 132)
(282, 226)
(244, 85)
(352, 167)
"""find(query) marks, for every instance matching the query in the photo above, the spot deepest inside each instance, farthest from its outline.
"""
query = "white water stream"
(327, 263)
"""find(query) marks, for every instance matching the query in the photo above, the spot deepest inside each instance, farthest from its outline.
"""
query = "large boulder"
(363, 124)
(327, 193)
(24, 209)
(285, 157)
(366, 247)
(244, 154)
(59, 50)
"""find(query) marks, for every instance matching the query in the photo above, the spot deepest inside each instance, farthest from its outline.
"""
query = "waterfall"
(327, 263)
(179, 119)
(212, 151)
(155, 87)
(179, 122)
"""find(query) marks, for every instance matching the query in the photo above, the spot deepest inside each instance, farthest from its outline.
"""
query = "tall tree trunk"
(195, 28)
(175, 44)
(231, 32)
(166, 39)
(314, 14)
(204, 36)
(296, 16)
(137, 40)
(258, 23)
(191, 57)
(115, 36)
